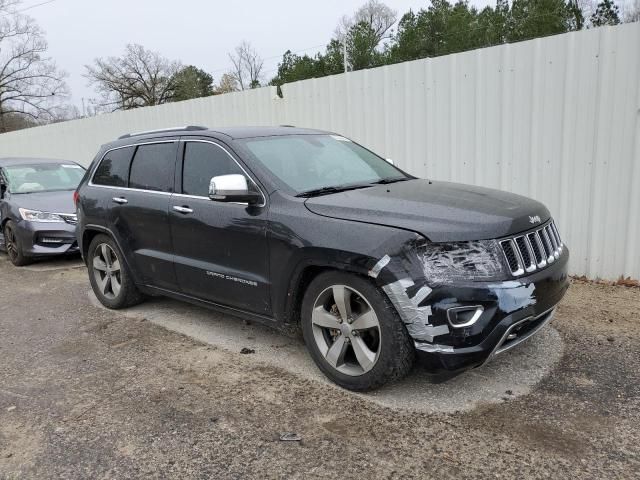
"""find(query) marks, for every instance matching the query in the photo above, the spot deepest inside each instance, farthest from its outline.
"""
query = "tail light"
(76, 198)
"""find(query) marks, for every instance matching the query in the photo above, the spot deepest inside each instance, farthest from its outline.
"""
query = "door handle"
(182, 209)
(120, 200)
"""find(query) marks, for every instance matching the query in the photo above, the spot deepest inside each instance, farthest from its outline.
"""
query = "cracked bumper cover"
(523, 305)
(516, 308)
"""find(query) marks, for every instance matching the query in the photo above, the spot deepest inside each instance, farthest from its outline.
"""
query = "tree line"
(442, 28)
(33, 89)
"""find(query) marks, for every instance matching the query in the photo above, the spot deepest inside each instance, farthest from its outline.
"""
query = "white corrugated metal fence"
(557, 119)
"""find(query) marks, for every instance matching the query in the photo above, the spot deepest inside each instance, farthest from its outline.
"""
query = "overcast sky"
(197, 32)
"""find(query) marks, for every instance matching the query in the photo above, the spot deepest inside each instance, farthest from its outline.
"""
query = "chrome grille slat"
(554, 241)
(534, 250)
(541, 259)
(554, 229)
(526, 253)
(514, 259)
(547, 245)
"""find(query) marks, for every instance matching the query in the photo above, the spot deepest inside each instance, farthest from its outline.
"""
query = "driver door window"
(202, 162)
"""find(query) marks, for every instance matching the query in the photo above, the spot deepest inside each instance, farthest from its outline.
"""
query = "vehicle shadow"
(512, 374)
(49, 264)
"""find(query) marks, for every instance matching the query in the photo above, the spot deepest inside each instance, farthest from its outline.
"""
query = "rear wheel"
(13, 246)
(353, 332)
(110, 279)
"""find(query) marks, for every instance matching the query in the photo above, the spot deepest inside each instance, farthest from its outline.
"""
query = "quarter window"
(202, 162)
(113, 170)
(152, 167)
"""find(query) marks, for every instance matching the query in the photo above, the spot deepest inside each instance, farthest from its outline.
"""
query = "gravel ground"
(517, 370)
(90, 393)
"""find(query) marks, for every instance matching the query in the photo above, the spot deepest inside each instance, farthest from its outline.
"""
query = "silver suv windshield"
(45, 177)
(309, 163)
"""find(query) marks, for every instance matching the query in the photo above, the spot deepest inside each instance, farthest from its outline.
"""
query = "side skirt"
(236, 312)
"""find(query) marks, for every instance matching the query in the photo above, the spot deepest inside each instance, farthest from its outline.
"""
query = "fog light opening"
(53, 240)
(461, 317)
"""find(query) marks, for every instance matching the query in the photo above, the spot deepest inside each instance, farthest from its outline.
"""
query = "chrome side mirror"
(232, 188)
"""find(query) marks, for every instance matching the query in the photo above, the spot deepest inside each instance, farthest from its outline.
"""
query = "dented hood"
(441, 211)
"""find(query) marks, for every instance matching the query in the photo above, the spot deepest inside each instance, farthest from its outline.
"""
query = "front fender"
(300, 240)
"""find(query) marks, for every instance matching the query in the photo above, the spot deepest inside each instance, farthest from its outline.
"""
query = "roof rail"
(289, 126)
(188, 128)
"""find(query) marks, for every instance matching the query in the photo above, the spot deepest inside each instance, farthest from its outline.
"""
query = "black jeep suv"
(286, 225)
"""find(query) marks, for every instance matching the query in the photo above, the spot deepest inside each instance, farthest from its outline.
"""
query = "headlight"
(479, 260)
(37, 216)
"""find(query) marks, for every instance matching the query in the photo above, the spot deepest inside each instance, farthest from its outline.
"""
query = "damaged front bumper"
(512, 311)
(465, 324)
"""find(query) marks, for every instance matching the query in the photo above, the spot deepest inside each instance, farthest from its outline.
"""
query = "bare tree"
(587, 7)
(228, 84)
(378, 16)
(632, 12)
(247, 66)
(30, 83)
(139, 78)
(66, 113)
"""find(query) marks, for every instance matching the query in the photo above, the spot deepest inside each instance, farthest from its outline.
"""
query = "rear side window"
(113, 170)
(202, 162)
(152, 167)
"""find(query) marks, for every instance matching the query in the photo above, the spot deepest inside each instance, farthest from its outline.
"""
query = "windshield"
(46, 177)
(310, 162)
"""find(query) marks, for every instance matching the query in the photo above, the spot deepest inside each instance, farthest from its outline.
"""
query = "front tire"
(110, 278)
(13, 246)
(353, 333)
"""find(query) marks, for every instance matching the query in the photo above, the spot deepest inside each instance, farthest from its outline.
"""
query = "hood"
(54, 202)
(440, 211)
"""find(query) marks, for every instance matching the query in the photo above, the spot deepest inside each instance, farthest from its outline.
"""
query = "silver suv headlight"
(479, 260)
(38, 216)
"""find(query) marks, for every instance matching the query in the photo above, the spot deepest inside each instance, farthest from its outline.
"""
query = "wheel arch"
(90, 232)
(302, 276)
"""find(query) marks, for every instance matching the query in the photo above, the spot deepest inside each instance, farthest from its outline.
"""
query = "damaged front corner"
(377, 268)
(433, 347)
(415, 318)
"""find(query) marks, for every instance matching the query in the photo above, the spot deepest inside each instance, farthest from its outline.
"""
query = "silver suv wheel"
(106, 270)
(346, 330)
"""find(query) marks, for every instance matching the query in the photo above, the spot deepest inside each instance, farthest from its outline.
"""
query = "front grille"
(533, 250)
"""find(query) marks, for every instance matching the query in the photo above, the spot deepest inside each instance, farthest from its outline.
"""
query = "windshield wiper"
(326, 190)
(386, 181)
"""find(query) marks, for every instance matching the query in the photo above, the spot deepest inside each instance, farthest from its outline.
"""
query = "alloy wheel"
(11, 243)
(346, 330)
(107, 271)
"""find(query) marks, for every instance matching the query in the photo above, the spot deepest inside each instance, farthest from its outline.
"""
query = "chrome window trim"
(198, 197)
(131, 145)
(196, 140)
(132, 189)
